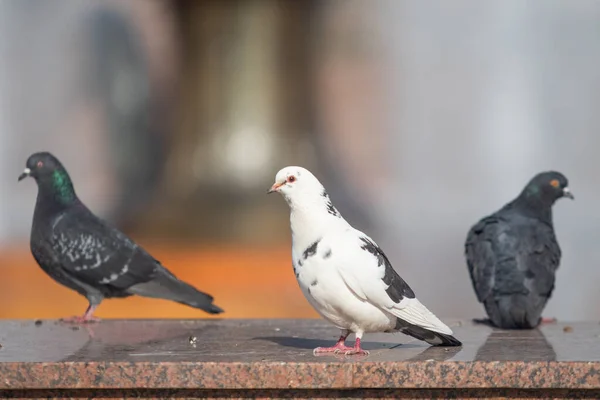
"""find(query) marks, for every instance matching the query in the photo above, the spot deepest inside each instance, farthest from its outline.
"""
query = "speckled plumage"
(83, 253)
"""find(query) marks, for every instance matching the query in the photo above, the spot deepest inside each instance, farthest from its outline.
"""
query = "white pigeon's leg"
(339, 347)
(85, 318)
(357, 350)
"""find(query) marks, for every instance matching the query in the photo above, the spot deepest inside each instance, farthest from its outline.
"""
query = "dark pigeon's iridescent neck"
(63, 187)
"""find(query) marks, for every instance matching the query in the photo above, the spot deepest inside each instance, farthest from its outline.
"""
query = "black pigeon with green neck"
(82, 252)
(513, 254)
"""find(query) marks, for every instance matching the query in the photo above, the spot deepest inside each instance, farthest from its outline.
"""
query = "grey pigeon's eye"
(40, 164)
(291, 179)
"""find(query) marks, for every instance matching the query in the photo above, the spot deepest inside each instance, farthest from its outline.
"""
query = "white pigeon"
(344, 274)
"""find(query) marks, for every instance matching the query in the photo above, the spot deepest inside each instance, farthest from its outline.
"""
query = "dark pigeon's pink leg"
(88, 317)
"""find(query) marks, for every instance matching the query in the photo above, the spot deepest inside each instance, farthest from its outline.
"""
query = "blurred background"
(419, 116)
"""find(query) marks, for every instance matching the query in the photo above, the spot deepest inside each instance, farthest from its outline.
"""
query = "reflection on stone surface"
(516, 345)
(436, 354)
(112, 342)
(278, 340)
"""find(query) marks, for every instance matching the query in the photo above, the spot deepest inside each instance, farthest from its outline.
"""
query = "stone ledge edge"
(301, 375)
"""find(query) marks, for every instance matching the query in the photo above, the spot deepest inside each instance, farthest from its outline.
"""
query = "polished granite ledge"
(175, 357)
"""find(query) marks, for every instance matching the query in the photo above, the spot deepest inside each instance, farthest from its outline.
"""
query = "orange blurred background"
(246, 283)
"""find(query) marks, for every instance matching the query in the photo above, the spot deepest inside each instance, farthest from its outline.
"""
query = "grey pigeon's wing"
(484, 241)
(511, 256)
(47, 259)
(86, 251)
(539, 258)
(99, 255)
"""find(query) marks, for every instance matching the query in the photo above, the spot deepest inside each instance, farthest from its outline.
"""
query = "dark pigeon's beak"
(25, 174)
(567, 193)
(274, 188)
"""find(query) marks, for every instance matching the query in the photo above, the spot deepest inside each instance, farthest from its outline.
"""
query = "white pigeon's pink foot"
(339, 347)
(357, 350)
(86, 318)
(548, 321)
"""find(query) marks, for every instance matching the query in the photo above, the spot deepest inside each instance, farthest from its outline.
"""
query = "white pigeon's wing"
(368, 273)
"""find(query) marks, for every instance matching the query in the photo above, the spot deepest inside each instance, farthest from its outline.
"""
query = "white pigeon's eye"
(291, 179)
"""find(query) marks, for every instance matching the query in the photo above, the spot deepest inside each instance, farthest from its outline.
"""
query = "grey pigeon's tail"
(516, 311)
(431, 337)
(166, 286)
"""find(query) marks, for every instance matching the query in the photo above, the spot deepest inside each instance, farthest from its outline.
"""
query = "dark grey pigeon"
(80, 251)
(513, 254)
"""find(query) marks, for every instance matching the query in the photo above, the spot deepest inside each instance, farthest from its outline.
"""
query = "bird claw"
(357, 352)
(548, 321)
(320, 351)
(343, 350)
(328, 350)
(340, 349)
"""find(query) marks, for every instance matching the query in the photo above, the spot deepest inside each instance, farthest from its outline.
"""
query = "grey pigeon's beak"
(25, 174)
(567, 193)
(274, 188)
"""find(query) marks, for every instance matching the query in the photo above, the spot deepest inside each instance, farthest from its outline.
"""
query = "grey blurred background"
(419, 116)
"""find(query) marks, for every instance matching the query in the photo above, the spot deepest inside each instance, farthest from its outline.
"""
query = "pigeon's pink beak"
(275, 187)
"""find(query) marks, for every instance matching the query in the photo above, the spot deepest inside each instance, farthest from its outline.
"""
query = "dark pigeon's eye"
(291, 179)
(555, 183)
(40, 164)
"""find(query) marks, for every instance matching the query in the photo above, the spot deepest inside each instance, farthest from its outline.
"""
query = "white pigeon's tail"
(431, 337)
(414, 319)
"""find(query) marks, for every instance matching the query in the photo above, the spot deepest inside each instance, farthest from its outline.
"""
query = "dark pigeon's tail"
(166, 286)
(431, 337)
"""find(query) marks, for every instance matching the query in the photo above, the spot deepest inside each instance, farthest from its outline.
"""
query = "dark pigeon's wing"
(47, 259)
(539, 258)
(99, 255)
(89, 252)
(511, 256)
(481, 250)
